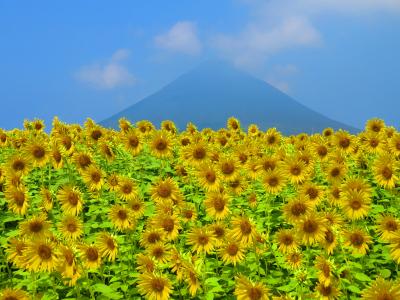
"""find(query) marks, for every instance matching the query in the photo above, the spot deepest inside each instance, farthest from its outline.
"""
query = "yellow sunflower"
(313, 191)
(232, 252)
(294, 259)
(311, 228)
(344, 141)
(47, 199)
(201, 240)
(243, 230)
(375, 125)
(160, 252)
(126, 188)
(132, 141)
(93, 177)
(18, 164)
(217, 205)
(287, 241)
(82, 160)
(137, 206)
(394, 144)
(196, 153)
(122, 217)
(295, 170)
(358, 240)
(154, 287)
(17, 199)
(247, 290)
(327, 292)
(296, 208)
(355, 204)
(387, 225)
(208, 177)
(274, 181)
(151, 236)
(169, 224)
(325, 269)
(161, 144)
(90, 255)
(37, 151)
(164, 190)
(395, 246)
(384, 169)
(71, 199)
(145, 263)
(70, 227)
(107, 245)
(382, 289)
(41, 255)
(37, 227)
(13, 294)
(15, 250)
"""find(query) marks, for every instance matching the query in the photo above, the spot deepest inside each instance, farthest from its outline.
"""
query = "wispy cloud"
(181, 38)
(280, 75)
(108, 75)
(276, 25)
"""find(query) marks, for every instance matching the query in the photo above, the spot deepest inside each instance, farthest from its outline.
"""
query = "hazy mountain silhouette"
(215, 91)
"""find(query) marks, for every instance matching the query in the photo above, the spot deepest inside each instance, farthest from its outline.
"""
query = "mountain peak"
(216, 90)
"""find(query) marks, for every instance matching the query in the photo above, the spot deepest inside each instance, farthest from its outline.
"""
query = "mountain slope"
(215, 91)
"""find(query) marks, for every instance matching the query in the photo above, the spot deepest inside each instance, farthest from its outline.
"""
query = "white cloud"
(108, 75)
(276, 25)
(279, 84)
(182, 38)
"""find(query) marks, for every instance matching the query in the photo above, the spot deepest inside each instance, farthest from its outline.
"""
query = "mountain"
(214, 91)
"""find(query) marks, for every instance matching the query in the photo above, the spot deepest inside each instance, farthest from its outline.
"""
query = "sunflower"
(90, 255)
(272, 138)
(113, 181)
(94, 133)
(201, 240)
(395, 246)
(18, 164)
(312, 228)
(247, 290)
(107, 245)
(373, 142)
(252, 168)
(36, 227)
(228, 167)
(243, 230)
(343, 141)
(385, 171)
(394, 144)
(41, 255)
(287, 241)
(188, 213)
(13, 294)
(196, 153)
(382, 289)
(132, 141)
(126, 188)
(169, 224)
(335, 172)
(122, 217)
(327, 292)
(154, 287)
(93, 177)
(328, 132)
(295, 170)
(232, 252)
(296, 208)
(217, 205)
(274, 181)
(219, 230)
(321, 149)
(313, 191)
(325, 268)
(107, 151)
(252, 200)
(66, 144)
(330, 241)
(145, 263)
(151, 236)
(294, 259)
(82, 160)
(387, 225)
(71, 199)
(160, 252)
(67, 262)
(208, 177)
(47, 199)
(237, 186)
(37, 151)
(356, 184)
(15, 250)
(137, 206)
(358, 240)
(268, 163)
(17, 199)
(355, 205)
(192, 279)
(334, 194)
(161, 144)
(70, 227)
(375, 125)
(164, 190)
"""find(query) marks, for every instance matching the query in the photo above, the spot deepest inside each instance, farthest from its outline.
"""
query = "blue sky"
(79, 59)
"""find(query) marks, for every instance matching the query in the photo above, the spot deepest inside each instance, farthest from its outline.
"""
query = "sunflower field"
(144, 213)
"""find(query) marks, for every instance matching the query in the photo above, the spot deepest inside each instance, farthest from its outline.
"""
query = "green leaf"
(354, 289)
(385, 273)
(362, 277)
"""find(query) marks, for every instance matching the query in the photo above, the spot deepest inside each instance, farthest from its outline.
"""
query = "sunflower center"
(385, 296)
(203, 239)
(232, 249)
(110, 244)
(344, 142)
(355, 204)
(158, 252)
(136, 206)
(273, 181)
(357, 239)
(387, 173)
(243, 157)
(188, 214)
(69, 258)
(219, 232)
(133, 141)
(18, 165)
(67, 143)
(271, 139)
(269, 165)
(326, 270)
(374, 143)
(391, 225)
(199, 153)
(335, 172)
(96, 177)
(228, 168)
(310, 226)
(325, 290)
(161, 145)
(336, 193)
(254, 293)
(44, 252)
(312, 193)
(327, 133)
(38, 152)
(398, 145)
(96, 134)
(35, 226)
(329, 237)
(71, 227)
(122, 215)
(376, 128)
(210, 176)
(245, 227)
(19, 198)
(57, 156)
(73, 199)
(153, 237)
(185, 141)
(92, 254)
(164, 190)
(287, 240)
(295, 170)
(219, 204)
(84, 161)
(126, 188)
(168, 225)
(157, 285)
(298, 209)
(235, 183)
(322, 151)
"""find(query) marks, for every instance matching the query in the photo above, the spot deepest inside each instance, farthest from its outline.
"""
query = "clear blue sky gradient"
(351, 76)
